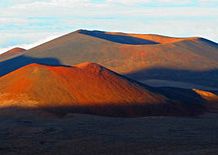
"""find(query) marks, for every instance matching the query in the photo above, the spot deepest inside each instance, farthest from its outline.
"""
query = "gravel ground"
(43, 133)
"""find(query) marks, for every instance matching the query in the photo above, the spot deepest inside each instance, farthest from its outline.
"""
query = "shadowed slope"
(192, 97)
(84, 87)
(205, 79)
(191, 54)
(160, 39)
(12, 64)
(11, 53)
(211, 99)
(123, 39)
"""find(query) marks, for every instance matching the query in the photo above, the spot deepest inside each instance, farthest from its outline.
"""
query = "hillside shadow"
(207, 78)
(212, 43)
(118, 38)
(10, 65)
(186, 96)
(121, 110)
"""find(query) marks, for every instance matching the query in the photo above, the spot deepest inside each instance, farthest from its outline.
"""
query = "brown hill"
(81, 88)
(141, 57)
(11, 53)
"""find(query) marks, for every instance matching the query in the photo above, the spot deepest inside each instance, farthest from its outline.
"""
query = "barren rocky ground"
(28, 132)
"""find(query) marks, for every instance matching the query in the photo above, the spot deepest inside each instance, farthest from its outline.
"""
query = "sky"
(28, 23)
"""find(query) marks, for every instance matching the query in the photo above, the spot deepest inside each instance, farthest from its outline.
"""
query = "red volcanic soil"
(84, 85)
(11, 53)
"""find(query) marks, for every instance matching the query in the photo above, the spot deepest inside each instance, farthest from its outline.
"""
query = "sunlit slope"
(84, 84)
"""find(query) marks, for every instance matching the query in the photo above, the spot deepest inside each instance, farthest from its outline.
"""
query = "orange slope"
(86, 83)
(83, 85)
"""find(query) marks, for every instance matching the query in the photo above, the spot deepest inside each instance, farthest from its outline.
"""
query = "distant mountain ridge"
(139, 56)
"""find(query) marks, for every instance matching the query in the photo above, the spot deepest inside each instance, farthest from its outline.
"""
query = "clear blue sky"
(27, 23)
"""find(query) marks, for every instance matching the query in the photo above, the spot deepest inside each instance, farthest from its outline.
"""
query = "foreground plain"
(27, 132)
